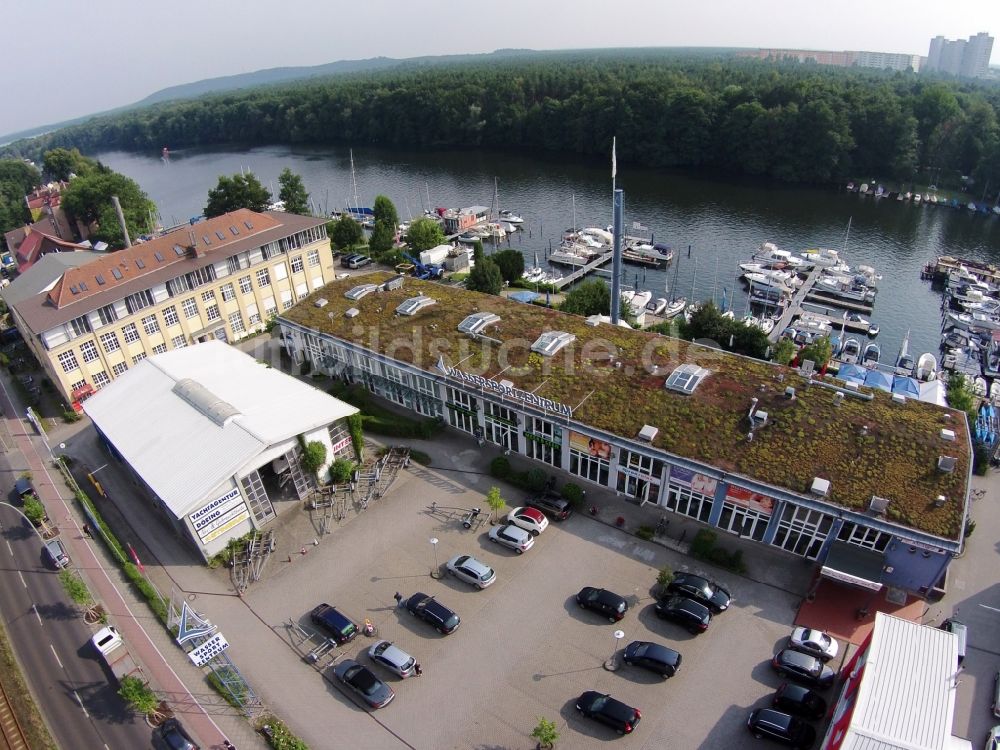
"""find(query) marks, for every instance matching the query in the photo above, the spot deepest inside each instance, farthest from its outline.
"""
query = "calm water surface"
(724, 222)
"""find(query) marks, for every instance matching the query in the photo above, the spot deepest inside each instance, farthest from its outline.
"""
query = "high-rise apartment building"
(968, 58)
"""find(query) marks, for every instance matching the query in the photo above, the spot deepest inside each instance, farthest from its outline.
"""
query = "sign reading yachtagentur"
(546, 404)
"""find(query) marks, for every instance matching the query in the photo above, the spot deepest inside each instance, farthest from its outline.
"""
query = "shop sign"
(751, 500)
(699, 483)
(545, 404)
(589, 446)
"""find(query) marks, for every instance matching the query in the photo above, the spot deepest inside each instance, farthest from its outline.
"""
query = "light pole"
(612, 664)
(436, 570)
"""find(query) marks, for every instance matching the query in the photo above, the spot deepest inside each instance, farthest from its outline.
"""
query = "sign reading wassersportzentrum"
(506, 391)
(220, 515)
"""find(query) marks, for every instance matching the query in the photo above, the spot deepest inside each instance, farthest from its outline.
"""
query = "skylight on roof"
(140, 263)
(100, 279)
(414, 305)
(220, 235)
(116, 273)
(686, 378)
(551, 342)
(248, 225)
(179, 250)
(83, 286)
(476, 322)
(360, 291)
(235, 231)
(158, 256)
(75, 289)
(206, 239)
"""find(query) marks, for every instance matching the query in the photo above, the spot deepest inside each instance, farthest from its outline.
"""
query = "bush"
(341, 471)
(702, 543)
(980, 460)
(313, 456)
(703, 547)
(645, 533)
(573, 493)
(137, 695)
(278, 735)
(664, 576)
(76, 588)
(500, 468)
(34, 510)
(535, 480)
(545, 732)
(71, 415)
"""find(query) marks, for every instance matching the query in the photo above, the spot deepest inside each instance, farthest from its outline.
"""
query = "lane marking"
(57, 659)
(35, 610)
(985, 606)
(23, 582)
(9, 548)
(82, 707)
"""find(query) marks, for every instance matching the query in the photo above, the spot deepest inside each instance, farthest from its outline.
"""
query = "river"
(723, 222)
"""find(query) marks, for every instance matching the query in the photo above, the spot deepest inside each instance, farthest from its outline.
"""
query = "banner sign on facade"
(220, 515)
(750, 500)
(589, 446)
(699, 483)
(545, 404)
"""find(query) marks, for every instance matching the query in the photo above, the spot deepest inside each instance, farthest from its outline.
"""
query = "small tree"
(76, 589)
(383, 210)
(34, 510)
(545, 732)
(238, 191)
(293, 192)
(784, 352)
(424, 234)
(495, 502)
(345, 233)
(138, 696)
(511, 264)
(819, 351)
(341, 471)
(313, 456)
(485, 277)
(382, 239)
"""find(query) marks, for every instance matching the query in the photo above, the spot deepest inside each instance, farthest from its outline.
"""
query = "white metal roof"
(188, 419)
(906, 699)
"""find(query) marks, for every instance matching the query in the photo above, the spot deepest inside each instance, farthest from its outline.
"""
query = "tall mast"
(354, 181)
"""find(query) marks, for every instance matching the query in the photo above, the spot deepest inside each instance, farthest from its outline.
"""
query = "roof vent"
(898, 398)
(820, 487)
(594, 321)
(395, 283)
(551, 342)
(352, 313)
(879, 505)
(850, 385)
(790, 393)
(322, 302)
(507, 383)
(476, 322)
(947, 464)
(838, 398)
(758, 419)
(685, 378)
(206, 402)
(939, 501)
(414, 305)
(948, 435)
(360, 291)
(648, 433)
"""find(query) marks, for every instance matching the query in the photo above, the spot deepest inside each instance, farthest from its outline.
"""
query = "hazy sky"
(67, 58)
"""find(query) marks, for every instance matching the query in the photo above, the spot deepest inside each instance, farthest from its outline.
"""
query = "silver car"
(512, 536)
(392, 658)
(470, 570)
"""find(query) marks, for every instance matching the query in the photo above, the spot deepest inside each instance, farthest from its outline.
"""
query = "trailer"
(111, 647)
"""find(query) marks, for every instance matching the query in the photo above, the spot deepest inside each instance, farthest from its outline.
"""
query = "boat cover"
(876, 379)
(909, 387)
(852, 373)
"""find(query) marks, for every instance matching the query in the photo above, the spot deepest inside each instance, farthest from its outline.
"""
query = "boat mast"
(846, 236)
(354, 182)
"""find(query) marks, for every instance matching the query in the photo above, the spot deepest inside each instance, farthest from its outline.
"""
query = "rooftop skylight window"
(551, 342)
(415, 304)
(220, 235)
(476, 322)
(360, 291)
(179, 250)
(686, 378)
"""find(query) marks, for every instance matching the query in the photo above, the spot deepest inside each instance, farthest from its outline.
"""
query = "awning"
(879, 380)
(852, 373)
(853, 565)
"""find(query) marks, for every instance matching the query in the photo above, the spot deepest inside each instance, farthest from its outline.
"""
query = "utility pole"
(121, 219)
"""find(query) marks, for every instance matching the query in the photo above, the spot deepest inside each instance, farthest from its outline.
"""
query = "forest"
(779, 120)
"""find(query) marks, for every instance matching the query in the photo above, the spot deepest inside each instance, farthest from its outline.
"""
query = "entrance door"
(303, 482)
(259, 502)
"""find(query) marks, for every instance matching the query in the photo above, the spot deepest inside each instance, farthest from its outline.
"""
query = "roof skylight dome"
(551, 342)
(415, 304)
(476, 322)
(686, 378)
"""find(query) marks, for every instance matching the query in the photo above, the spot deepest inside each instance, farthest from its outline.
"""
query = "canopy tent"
(909, 387)
(852, 374)
(876, 379)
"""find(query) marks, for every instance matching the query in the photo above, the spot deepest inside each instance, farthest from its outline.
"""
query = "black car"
(800, 701)
(654, 657)
(774, 725)
(337, 625)
(687, 612)
(605, 709)
(701, 590)
(804, 669)
(175, 737)
(551, 504)
(603, 602)
(362, 681)
(429, 609)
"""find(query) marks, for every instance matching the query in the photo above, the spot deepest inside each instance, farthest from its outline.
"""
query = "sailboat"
(904, 362)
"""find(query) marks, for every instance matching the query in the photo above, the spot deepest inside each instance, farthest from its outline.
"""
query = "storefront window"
(543, 441)
(639, 476)
(501, 426)
(462, 411)
(802, 531)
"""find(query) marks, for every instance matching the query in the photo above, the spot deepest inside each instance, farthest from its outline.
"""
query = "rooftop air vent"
(838, 398)
(476, 322)
(879, 505)
(206, 402)
(322, 302)
(790, 393)
(352, 313)
(685, 378)
(939, 501)
(360, 291)
(948, 435)
(820, 487)
(898, 398)
(414, 305)
(947, 464)
(758, 419)
(594, 321)
(395, 283)
(648, 433)
(551, 342)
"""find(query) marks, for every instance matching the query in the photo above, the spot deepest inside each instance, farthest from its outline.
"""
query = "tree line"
(786, 121)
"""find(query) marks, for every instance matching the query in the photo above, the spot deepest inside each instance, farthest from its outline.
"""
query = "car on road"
(654, 657)
(602, 601)
(469, 569)
(687, 612)
(701, 590)
(552, 504)
(993, 739)
(511, 536)
(56, 553)
(363, 681)
(529, 519)
(430, 610)
(603, 708)
(804, 669)
(813, 642)
(782, 728)
(337, 625)
(799, 701)
(23, 488)
(393, 658)
(175, 737)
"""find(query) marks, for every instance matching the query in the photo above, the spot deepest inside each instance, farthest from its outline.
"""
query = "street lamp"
(612, 664)
(436, 571)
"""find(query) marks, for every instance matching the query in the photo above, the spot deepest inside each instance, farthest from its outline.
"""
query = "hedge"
(532, 480)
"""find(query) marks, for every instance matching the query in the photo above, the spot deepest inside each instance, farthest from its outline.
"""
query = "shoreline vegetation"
(788, 122)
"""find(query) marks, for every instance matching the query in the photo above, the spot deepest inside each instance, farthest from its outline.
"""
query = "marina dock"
(794, 308)
(838, 321)
(582, 271)
(819, 298)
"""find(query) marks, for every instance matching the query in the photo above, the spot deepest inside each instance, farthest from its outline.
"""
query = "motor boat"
(871, 355)
(770, 255)
(674, 308)
(656, 306)
(638, 302)
(511, 217)
(926, 367)
(852, 352)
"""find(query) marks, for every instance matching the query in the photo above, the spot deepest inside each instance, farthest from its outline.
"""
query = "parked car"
(56, 553)
(337, 625)
(363, 681)
(654, 657)
(603, 602)
(358, 261)
(605, 709)
(469, 569)
(175, 737)
(512, 536)
(392, 658)
(23, 488)
(430, 610)
(687, 612)
(993, 739)
(799, 701)
(702, 590)
(529, 519)
(346, 260)
(552, 504)
(804, 669)
(813, 642)
(782, 728)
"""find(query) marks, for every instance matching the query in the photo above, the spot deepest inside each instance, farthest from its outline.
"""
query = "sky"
(74, 58)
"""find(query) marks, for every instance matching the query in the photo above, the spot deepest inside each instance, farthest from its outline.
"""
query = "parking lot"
(524, 649)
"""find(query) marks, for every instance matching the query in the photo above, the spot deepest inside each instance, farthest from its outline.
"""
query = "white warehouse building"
(213, 437)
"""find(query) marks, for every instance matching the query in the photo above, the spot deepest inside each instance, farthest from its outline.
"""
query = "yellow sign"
(226, 527)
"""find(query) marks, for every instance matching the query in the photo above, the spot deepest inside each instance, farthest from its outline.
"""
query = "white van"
(57, 553)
